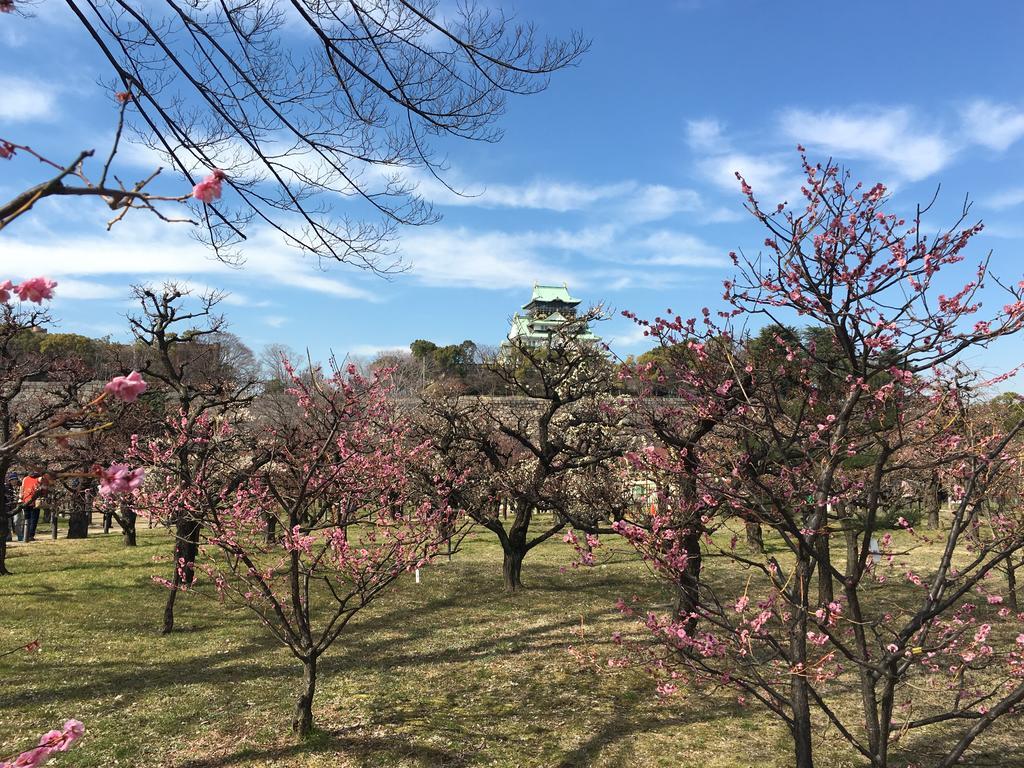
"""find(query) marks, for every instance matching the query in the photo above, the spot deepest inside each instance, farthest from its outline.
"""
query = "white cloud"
(69, 288)
(372, 350)
(888, 136)
(1008, 198)
(705, 135)
(654, 202)
(996, 126)
(631, 338)
(631, 199)
(148, 250)
(491, 260)
(668, 248)
(542, 195)
(771, 177)
(22, 100)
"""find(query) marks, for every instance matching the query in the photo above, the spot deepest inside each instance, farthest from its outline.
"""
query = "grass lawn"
(450, 672)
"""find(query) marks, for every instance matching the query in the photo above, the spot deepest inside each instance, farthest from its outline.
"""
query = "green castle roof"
(551, 293)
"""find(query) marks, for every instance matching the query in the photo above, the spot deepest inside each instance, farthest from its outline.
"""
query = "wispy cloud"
(1008, 198)
(770, 174)
(491, 259)
(996, 126)
(23, 100)
(630, 338)
(629, 199)
(70, 288)
(680, 249)
(147, 250)
(705, 135)
(892, 137)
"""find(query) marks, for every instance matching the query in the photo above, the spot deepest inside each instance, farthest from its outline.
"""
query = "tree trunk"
(128, 529)
(755, 536)
(512, 568)
(799, 697)
(1011, 585)
(106, 521)
(78, 514)
(271, 529)
(932, 501)
(186, 546)
(826, 589)
(128, 520)
(302, 722)
(78, 522)
(688, 590)
(5, 530)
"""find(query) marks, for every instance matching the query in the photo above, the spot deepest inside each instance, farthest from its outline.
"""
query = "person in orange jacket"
(31, 492)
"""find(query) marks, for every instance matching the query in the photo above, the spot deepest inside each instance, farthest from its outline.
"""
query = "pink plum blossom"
(209, 189)
(5, 291)
(50, 742)
(36, 289)
(119, 478)
(126, 388)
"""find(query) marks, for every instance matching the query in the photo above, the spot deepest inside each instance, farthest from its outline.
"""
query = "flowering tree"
(305, 111)
(813, 447)
(180, 346)
(527, 449)
(42, 401)
(340, 484)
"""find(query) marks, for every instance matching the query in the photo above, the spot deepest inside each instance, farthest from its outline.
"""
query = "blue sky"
(617, 180)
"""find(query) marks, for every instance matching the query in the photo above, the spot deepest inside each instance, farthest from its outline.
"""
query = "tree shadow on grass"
(368, 750)
(134, 679)
(622, 726)
(392, 748)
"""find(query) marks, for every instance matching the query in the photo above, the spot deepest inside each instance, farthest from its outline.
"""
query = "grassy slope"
(450, 672)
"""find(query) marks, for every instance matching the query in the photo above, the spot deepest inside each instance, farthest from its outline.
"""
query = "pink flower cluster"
(119, 478)
(34, 289)
(126, 388)
(49, 742)
(7, 149)
(209, 189)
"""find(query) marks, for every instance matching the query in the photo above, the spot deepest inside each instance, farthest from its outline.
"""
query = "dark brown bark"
(1011, 586)
(271, 529)
(186, 546)
(78, 522)
(932, 503)
(512, 568)
(826, 588)
(799, 695)
(687, 598)
(755, 536)
(78, 507)
(302, 721)
(5, 529)
(129, 536)
(128, 518)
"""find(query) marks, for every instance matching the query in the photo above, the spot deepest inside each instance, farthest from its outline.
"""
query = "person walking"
(31, 492)
(12, 492)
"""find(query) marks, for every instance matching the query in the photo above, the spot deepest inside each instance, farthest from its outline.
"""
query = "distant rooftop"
(551, 293)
